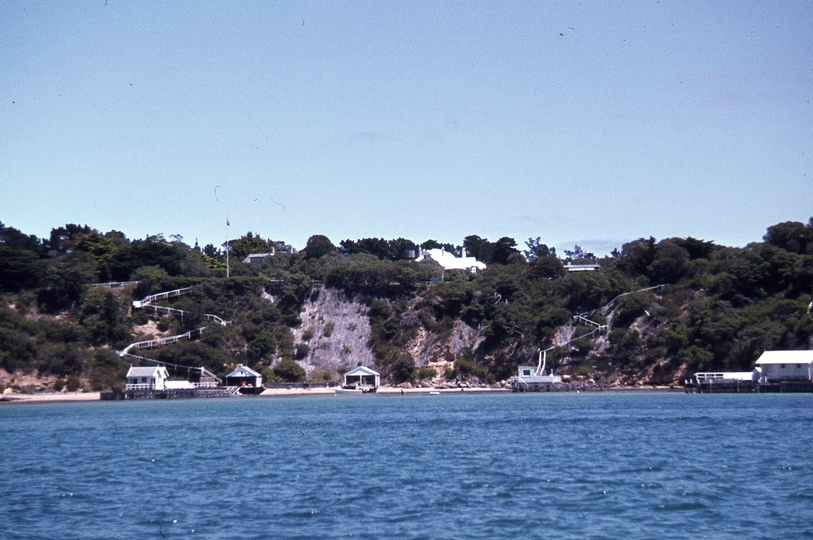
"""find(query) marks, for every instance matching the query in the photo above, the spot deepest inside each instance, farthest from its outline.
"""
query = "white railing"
(140, 387)
(116, 284)
(160, 296)
(216, 319)
(587, 321)
(611, 302)
(182, 313)
(146, 302)
(161, 341)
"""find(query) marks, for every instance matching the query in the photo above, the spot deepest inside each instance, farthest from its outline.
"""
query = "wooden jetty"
(173, 393)
(747, 387)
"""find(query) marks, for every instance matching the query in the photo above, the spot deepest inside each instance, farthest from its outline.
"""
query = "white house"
(449, 262)
(362, 377)
(147, 378)
(570, 267)
(775, 366)
(258, 258)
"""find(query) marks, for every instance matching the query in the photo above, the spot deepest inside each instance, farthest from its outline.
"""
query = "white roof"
(449, 262)
(149, 371)
(257, 256)
(582, 267)
(361, 370)
(243, 371)
(786, 357)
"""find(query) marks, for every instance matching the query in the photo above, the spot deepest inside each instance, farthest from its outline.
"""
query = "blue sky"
(589, 123)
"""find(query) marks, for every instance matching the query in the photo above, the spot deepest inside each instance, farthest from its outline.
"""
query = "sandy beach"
(50, 397)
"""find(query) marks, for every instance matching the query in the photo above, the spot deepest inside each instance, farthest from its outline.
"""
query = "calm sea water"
(594, 465)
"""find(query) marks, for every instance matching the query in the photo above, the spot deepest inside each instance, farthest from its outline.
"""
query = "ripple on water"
(510, 466)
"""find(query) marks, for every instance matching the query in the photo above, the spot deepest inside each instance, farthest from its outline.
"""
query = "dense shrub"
(287, 370)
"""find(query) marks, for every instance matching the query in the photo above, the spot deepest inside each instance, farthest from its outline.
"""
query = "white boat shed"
(362, 377)
(147, 378)
(775, 366)
(244, 376)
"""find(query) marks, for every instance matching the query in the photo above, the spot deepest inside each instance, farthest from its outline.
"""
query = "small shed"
(775, 366)
(362, 377)
(147, 378)
(244, 376)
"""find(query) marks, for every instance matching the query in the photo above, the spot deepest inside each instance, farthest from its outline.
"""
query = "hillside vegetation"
(316, 313)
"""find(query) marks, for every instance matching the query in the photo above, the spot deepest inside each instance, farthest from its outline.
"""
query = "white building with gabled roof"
(243, 376)
(449, 262)
(362, 377)
(147, 378)
(258, 258)
(774, 366)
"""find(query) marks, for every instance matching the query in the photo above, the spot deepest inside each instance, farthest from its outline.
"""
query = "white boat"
(355, 389)
(434, 393)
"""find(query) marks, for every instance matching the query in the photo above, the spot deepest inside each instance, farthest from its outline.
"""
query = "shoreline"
(73, 397)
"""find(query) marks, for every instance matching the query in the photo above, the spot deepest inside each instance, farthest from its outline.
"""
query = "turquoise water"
(594, 465)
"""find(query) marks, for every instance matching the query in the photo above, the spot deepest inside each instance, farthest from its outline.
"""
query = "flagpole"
(227, 246)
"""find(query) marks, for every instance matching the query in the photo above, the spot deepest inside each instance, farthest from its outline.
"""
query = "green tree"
(196, 264)
(152, 251)
(61, 240)
(152, 279)
(104, 318)
(450, 248)
(403, 369)
(670, 262)
(19, 269)
(791, 236)
(537, 249)
(262, 347)
(317, 246)
(479, 248)
(66, 278)
(21, 264)
(97, 246)
(577, 255)
(108, 371)
(545, 267)
(248, 243)
(696, 249)
(503, 249)
(639, 255)
(289, 371)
